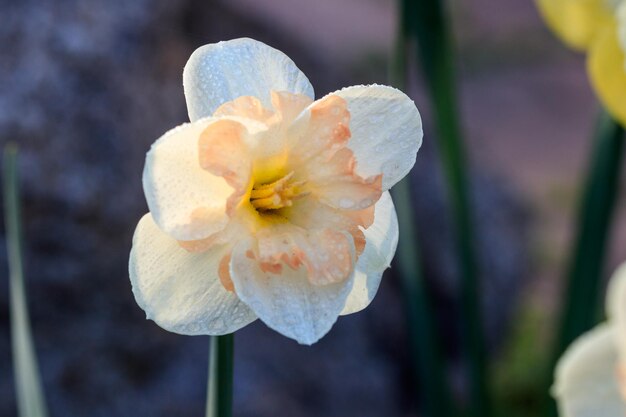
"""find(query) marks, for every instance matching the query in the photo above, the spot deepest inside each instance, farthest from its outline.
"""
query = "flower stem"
(427, 364)
(436, 59)
(582, 291)
(30, 398)
(220, 383)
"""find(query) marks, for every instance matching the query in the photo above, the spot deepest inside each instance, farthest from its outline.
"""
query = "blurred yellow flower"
(590, 378)
(270, 204)
(599, 28)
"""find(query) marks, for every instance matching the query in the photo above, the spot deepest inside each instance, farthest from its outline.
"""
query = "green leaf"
(30, 398)
(428, 24)
(583, 284)
(425, 347)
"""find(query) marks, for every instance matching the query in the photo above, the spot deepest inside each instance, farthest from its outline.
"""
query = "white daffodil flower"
(590, 378)
(269, 204)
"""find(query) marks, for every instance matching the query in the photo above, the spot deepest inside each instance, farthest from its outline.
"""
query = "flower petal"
(221, 72)
(286, 301)
(179, 290)
(576, 22)
(186, 201)
(616, 306)
(605, 63)
(311, 214)
(386, 131)
(326, 254)
(586, 383)
(616, 295)
(381, 241)
(286, 107)
(318, 133)
(223, 152)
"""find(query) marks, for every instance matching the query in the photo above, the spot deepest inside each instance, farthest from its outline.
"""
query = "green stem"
(30, 398)
(220, 384)
(428, 366)
(584, 275)
(436, 58)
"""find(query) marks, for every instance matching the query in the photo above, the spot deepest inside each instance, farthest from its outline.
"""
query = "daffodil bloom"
(270, 204)
(599, 28)
(591, 375)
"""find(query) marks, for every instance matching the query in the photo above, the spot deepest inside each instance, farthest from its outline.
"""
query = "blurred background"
(86, 87)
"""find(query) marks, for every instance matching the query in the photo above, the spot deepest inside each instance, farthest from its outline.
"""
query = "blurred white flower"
(270, 204)
(590, 378)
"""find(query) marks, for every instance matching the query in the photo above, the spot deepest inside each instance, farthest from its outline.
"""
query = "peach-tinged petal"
(245, 106)
(237, 228)
(285, 108)
(309, 213)
(349, 192)
(606, 64)
(386, 131)
(186, 201)
(324, 253)
(289, 105)
(287, 302)
(181, 291)
(329, 256)
(221, 72)
(586, 383)
(223, 271)
(381, 241)
(223, 152)
(320, 131)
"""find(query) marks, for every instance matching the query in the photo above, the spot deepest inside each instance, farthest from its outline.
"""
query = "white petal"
(616, 295)
(186, 201)
(180, 290)
(586, 377)
(616, 306)
(221, 72)
(287, 302)
(386, 131)
(381, 240)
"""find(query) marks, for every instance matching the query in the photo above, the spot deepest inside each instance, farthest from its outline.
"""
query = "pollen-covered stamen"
(278, 194)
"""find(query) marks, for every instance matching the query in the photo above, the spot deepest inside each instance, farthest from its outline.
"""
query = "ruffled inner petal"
(324, 253)
(289, 105)
(320, 131)
(245, 106)
(223, 152)
(186, 201)
(310, 213)
(287, 301)
(320, 157)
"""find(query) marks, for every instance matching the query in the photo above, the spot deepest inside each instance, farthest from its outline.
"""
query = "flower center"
(277, 194)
